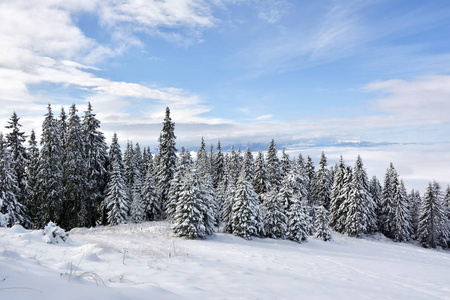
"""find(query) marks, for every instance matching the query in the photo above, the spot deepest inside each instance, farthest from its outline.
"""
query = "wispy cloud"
(264, 117)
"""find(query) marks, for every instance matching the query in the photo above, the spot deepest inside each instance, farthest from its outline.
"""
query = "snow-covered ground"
(146, 261)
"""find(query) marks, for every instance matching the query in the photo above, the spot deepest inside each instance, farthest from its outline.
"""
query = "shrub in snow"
(54, 234)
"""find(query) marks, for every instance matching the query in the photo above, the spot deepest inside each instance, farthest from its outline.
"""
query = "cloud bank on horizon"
(239, 71)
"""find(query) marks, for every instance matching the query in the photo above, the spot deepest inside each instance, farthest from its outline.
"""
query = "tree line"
(76, 180)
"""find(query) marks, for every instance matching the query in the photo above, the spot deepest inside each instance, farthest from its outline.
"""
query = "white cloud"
(264, 117)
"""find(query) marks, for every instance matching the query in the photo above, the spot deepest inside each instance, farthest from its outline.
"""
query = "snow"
(146, 261)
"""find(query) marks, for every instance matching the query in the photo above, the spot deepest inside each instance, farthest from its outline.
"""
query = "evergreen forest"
(74, 178)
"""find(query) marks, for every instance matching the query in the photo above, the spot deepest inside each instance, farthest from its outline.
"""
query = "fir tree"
(11, 210)
(166, 159)
(401, 222)
(32, 178)
(75, 188)
(336, 193)
(137, 209)
(96, 164)
(20, 157)
(433, 229)
(298, 221)
(321, 224)
(248, 166)
(310, 171)
(414, 204)
(218, 166)
(387, 204)
(228, 190)
(285, 163)
(245, 214)
(339, 224)
(273, 167)
(234, 165)
(377, 195)
(321, 188)
(50, 172)
(189, 220)
(117, 199)
(261, 181)
(150, 198)
(274, 218)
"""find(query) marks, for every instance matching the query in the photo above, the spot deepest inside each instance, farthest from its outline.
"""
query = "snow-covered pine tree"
(62, 125)
(150, 198)
(432, 231)
(128, 163)
(285, 163)
(286, 193)
(321, 224)
(446, 202)
(20, 157)
(311, 172)
(75, 207)
(336, 190)
(189, 220)
(377, 195)
(298, 221)
(274, 217)
(321, 188)
(303, 178)
(246, 219)
(117, 199)
(167, 158)
(219, 166)
(401, 222)
(32, 177)
(344, 195)
(248, 166)
(226, 196)
(414, 204)
(261, 182)
(387, 202)
(273, 167)
(234, 164)
(11, 210)
(361, 209)
(96, 164)
(50, 190)
(137, 209)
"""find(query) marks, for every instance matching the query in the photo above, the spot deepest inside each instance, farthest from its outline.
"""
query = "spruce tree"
(245, 214)
(387, 204)
(75, 185)
(137, 209)
(189, 220)
(336, 193)
(50, 190)
(150, 198)
(377, 195)
(401, 222)
(298, 221)
(166, 158)
(321, 188)
(274, 217)
(414, 205)
(117, 199)
(32, 178)
(321, 224)
(433, 229)
(285, 163)
(11, 210)
(261, 181)
(219, 166)
(339, 224)
(96, 164)
(273, 167)
(14, 141)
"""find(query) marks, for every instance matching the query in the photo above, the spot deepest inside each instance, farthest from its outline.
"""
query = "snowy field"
(146, 261)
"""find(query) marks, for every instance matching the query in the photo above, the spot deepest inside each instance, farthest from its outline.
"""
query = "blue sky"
(301, 72)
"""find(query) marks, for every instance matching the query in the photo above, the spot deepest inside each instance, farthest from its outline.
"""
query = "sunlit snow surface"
(146, 261)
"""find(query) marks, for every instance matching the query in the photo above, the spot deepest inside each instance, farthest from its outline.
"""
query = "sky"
(345, 77)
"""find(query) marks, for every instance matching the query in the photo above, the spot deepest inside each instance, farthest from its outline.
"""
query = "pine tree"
(414, 204)
(50, 172)
(184, 166)
(219, 166)
(248, 166)
(129, 165)
(387, 204)
(321, 224)
(96, 164)
(401, 222)
(321, 188)
(117, 199)
(75, 186)
(261, 182)
(344, 195)
(285, 163)
(137, 209)
(150, 198)
(11, 210)
(433, 229)
(32, 178)
(245, 214)
(377, 195)
(234, 165)
(298, 221)
(226, 197)
(361, 209)
(274, 217)
(166, 159)
(336, 194)
(273, 167)
(189, 220)
(20, 157)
